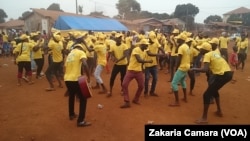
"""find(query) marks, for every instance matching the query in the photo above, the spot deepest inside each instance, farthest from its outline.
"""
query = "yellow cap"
(181, 36)
(144, 42)
(24, 36)
(189, 39)
(214, 41)
(117, 35)
(206, 46)
(176, 31)
(152, 35)
(57, 37)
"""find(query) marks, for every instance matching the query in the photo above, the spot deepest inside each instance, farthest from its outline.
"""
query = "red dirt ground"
(30, 113)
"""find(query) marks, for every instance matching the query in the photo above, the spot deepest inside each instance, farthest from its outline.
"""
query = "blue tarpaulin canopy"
(88, 23)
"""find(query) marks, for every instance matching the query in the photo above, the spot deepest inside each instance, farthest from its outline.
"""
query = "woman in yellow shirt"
(22, 52)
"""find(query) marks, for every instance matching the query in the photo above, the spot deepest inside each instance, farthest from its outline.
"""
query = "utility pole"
(76, 7)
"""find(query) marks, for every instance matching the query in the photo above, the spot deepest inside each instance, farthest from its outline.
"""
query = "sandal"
(201, 121)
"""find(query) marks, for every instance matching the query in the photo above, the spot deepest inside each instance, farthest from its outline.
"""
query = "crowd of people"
(134, 55)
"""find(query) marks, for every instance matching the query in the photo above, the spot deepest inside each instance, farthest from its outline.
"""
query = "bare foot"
(176, 104)
(201, 121)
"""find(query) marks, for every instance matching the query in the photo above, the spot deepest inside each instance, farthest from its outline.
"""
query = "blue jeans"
(154, 72)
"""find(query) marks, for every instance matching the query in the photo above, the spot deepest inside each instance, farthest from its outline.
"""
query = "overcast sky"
(15, 8)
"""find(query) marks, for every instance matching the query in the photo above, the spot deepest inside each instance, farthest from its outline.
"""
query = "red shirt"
(233, 59)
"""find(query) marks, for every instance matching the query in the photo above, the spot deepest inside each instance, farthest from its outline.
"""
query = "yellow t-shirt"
(128, 41)
(73, 65)
(223, 42)
(173, 49)
(23, 50)
(185, 60)
(242, 46)
(101, 52)
(39, 53)
(133, 63)
(5, 38)
(153, 48)
(56, 49)
(217, 64)
(119, 53)
(69, 45)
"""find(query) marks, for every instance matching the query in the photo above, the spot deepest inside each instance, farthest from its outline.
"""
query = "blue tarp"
(88, 23)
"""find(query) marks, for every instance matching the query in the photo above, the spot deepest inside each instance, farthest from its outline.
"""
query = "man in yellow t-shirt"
(242, 50)
(223, 45)
(101, 52)
(119, 53)
(6, 46)
(56, 47)
(183, 65)
(152, 68)
(75, 60)
(38, 53)
(174, 54)
(135, 71)
(221, 75)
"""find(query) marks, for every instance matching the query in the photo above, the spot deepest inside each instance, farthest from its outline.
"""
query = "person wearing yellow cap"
(75, 61)
(37, 53)
(56, 47)
(221, 74)
(242, 50)
(6, 47)
(152, 68)
(183, 65)
(22, 52)
(119, 53)
(223, 45)
(135, 71)
(174, 54)
(101, 52)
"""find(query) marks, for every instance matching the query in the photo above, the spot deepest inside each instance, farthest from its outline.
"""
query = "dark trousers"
(173, 63)
(117, 69)
(39, 64)
(24, 65)
(53, 69)
(74, 90)
(191, 75)
(154, 72)
(215, 83)
(224, 53)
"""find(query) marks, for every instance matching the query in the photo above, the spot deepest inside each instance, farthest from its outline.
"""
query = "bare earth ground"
(30, 113)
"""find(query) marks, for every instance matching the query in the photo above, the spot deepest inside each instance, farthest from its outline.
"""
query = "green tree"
(129, 8)
(147, 14)
(213, 18)
(54, 7)
(187, 13)
(3, 15)
(97, 14)
(24, 14)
